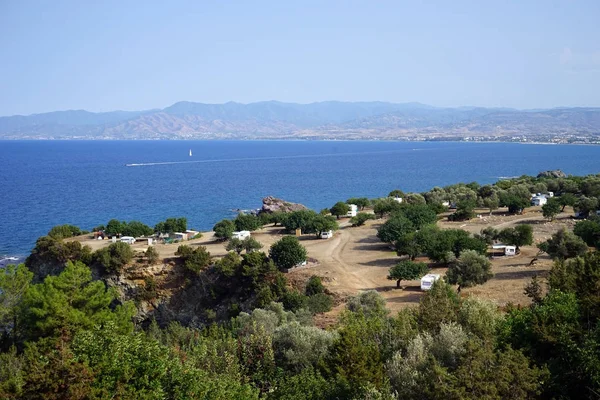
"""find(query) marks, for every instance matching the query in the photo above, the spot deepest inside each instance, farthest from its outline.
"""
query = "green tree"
(419, 214)
(249, 244)
(224, 229)
(247, 222)
(229, 265)
(287, 252)
(394, 228)
(438, 305)
(236, 245)
(489, 234)
(589, 231)
(521, 235)
(301, 219)
(515, 203)
(15, 280)
(194, 260)
(321, 223)
(136, 229)
(340, 209)
(551, 209)
(171, 225)
(361, 202)
(64, 231)
(385, 206)
(469, 269)
(414, 198)
(564, 244)
(396, 193)
(72, 301)
(114, 257)
(464, 211)
(567, 199)
(361, 218)
(586, 205)
(114, 227)
(407, 270)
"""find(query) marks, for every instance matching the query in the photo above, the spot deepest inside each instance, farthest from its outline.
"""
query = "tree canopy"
(287, 252)
(407, 270)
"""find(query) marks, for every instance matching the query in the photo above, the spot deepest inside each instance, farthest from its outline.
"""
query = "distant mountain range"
(324, 120)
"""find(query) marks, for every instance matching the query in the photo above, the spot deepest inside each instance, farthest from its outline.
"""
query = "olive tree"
(469, 269)
(287, 252)
(340, 209)
(407, 270)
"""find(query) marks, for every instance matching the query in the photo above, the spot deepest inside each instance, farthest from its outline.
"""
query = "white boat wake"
(258, 158)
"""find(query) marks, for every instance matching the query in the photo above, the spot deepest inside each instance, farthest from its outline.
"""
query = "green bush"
(319, 303)
(114, 257)
(314, 286)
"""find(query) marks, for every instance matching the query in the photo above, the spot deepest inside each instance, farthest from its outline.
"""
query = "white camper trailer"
(510, 250)
(128, 239)
(353, 210)
(428, 280)
(240, 235)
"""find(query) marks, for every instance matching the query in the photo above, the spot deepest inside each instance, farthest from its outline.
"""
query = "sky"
(136, 55)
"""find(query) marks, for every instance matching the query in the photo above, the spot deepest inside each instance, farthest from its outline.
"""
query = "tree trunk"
(398, 284)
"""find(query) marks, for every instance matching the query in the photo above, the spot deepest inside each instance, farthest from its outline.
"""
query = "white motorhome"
(128, 239)
(326, 235)
(539, 200)
(428, 280)
(240, 235)
(353, 210)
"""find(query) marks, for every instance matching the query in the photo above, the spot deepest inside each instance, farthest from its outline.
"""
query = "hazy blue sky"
(108, 55)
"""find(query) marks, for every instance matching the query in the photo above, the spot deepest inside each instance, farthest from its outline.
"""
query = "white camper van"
(428, 280)
(240, 235)
(128, 239)
(353, 210)
(326, 235)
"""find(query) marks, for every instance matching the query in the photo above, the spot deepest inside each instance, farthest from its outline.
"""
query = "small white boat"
(190, 152)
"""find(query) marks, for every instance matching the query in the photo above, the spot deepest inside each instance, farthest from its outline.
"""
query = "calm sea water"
(86, 183)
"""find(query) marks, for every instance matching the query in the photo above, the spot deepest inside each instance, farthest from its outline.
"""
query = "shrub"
(293, 300)
(194, 260)
(64, 231)
(114, 257)
(361, 218)
(319, 303)
(369, 303)
(314, 286)
(152, 255)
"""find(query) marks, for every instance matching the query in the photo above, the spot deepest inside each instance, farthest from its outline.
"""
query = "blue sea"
(86, 183)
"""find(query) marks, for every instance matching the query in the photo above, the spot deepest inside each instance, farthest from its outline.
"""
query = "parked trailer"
(428, 280)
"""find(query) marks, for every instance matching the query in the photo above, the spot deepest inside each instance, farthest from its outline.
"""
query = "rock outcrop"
(557, 173)
(272, 204)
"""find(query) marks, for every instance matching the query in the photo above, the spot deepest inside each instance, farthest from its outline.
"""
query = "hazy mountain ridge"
(275, 119)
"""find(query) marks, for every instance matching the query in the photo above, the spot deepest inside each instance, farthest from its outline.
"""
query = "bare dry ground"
(354, 260)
